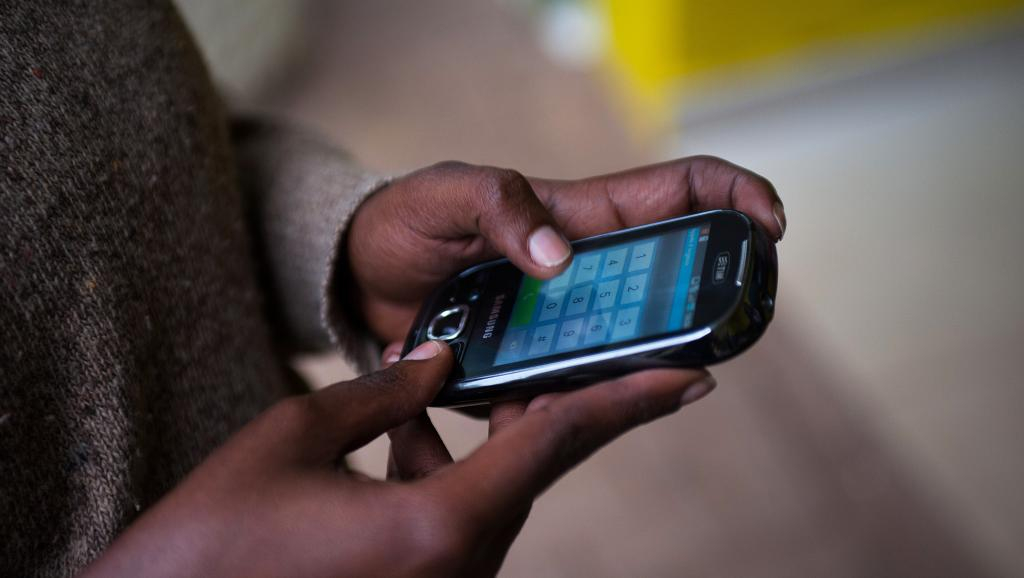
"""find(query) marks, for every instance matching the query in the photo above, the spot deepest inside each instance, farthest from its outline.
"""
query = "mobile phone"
(685, 292)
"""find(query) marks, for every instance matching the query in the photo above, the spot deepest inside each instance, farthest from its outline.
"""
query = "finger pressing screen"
(347, 415)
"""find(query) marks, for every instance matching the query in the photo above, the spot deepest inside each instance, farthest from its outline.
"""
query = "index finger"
(656, 192)
(714, 183)
(521, 460)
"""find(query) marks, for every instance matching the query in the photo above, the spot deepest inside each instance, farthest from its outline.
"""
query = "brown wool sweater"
(156, 265)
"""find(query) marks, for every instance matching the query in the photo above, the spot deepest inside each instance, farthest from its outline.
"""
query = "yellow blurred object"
(656, 44)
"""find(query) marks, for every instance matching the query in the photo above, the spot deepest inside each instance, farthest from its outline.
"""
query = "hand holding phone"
(272, 501)
(686, 292)
(413, 235)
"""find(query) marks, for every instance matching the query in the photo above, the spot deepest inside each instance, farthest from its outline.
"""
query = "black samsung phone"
(686, 292)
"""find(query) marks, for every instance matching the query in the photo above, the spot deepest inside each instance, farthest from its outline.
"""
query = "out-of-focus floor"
(874, 430)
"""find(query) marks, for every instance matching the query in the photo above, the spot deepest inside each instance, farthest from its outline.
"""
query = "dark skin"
(272, 502)
(433, 223)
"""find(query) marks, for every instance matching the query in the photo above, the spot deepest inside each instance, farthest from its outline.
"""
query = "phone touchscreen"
(641, 288)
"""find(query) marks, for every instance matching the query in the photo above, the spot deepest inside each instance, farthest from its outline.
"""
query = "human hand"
(411, 236)
(272, 501)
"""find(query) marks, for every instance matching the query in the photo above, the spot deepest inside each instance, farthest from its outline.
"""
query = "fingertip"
(698, 389)
(426, 350)
(549, 250)
(545, 274)
(779, 212)
(542, 401)
(670, 385)
(756, 196)
(667, 375)
(429, 363)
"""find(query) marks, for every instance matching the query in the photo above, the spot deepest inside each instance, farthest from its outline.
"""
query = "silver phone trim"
(463, 309)
(528, 372)
(743, 264)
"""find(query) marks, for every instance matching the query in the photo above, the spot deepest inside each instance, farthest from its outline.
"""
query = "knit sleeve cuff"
(302, 193)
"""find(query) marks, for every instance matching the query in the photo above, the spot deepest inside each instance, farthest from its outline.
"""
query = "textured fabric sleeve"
(301, 193)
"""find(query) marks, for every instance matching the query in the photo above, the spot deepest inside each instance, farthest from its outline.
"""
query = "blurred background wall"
(876, 430)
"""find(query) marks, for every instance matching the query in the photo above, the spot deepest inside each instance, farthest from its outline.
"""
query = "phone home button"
(448, 324)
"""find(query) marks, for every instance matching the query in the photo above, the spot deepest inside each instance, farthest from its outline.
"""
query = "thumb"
(507, 213)
(350, 414)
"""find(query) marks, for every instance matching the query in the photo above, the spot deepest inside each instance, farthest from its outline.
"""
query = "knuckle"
(698, 167)
(747, 183)
(451, 167)
(761, 182)
(503, 187)
(719, 169)
(713, 165)
(707, 160)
